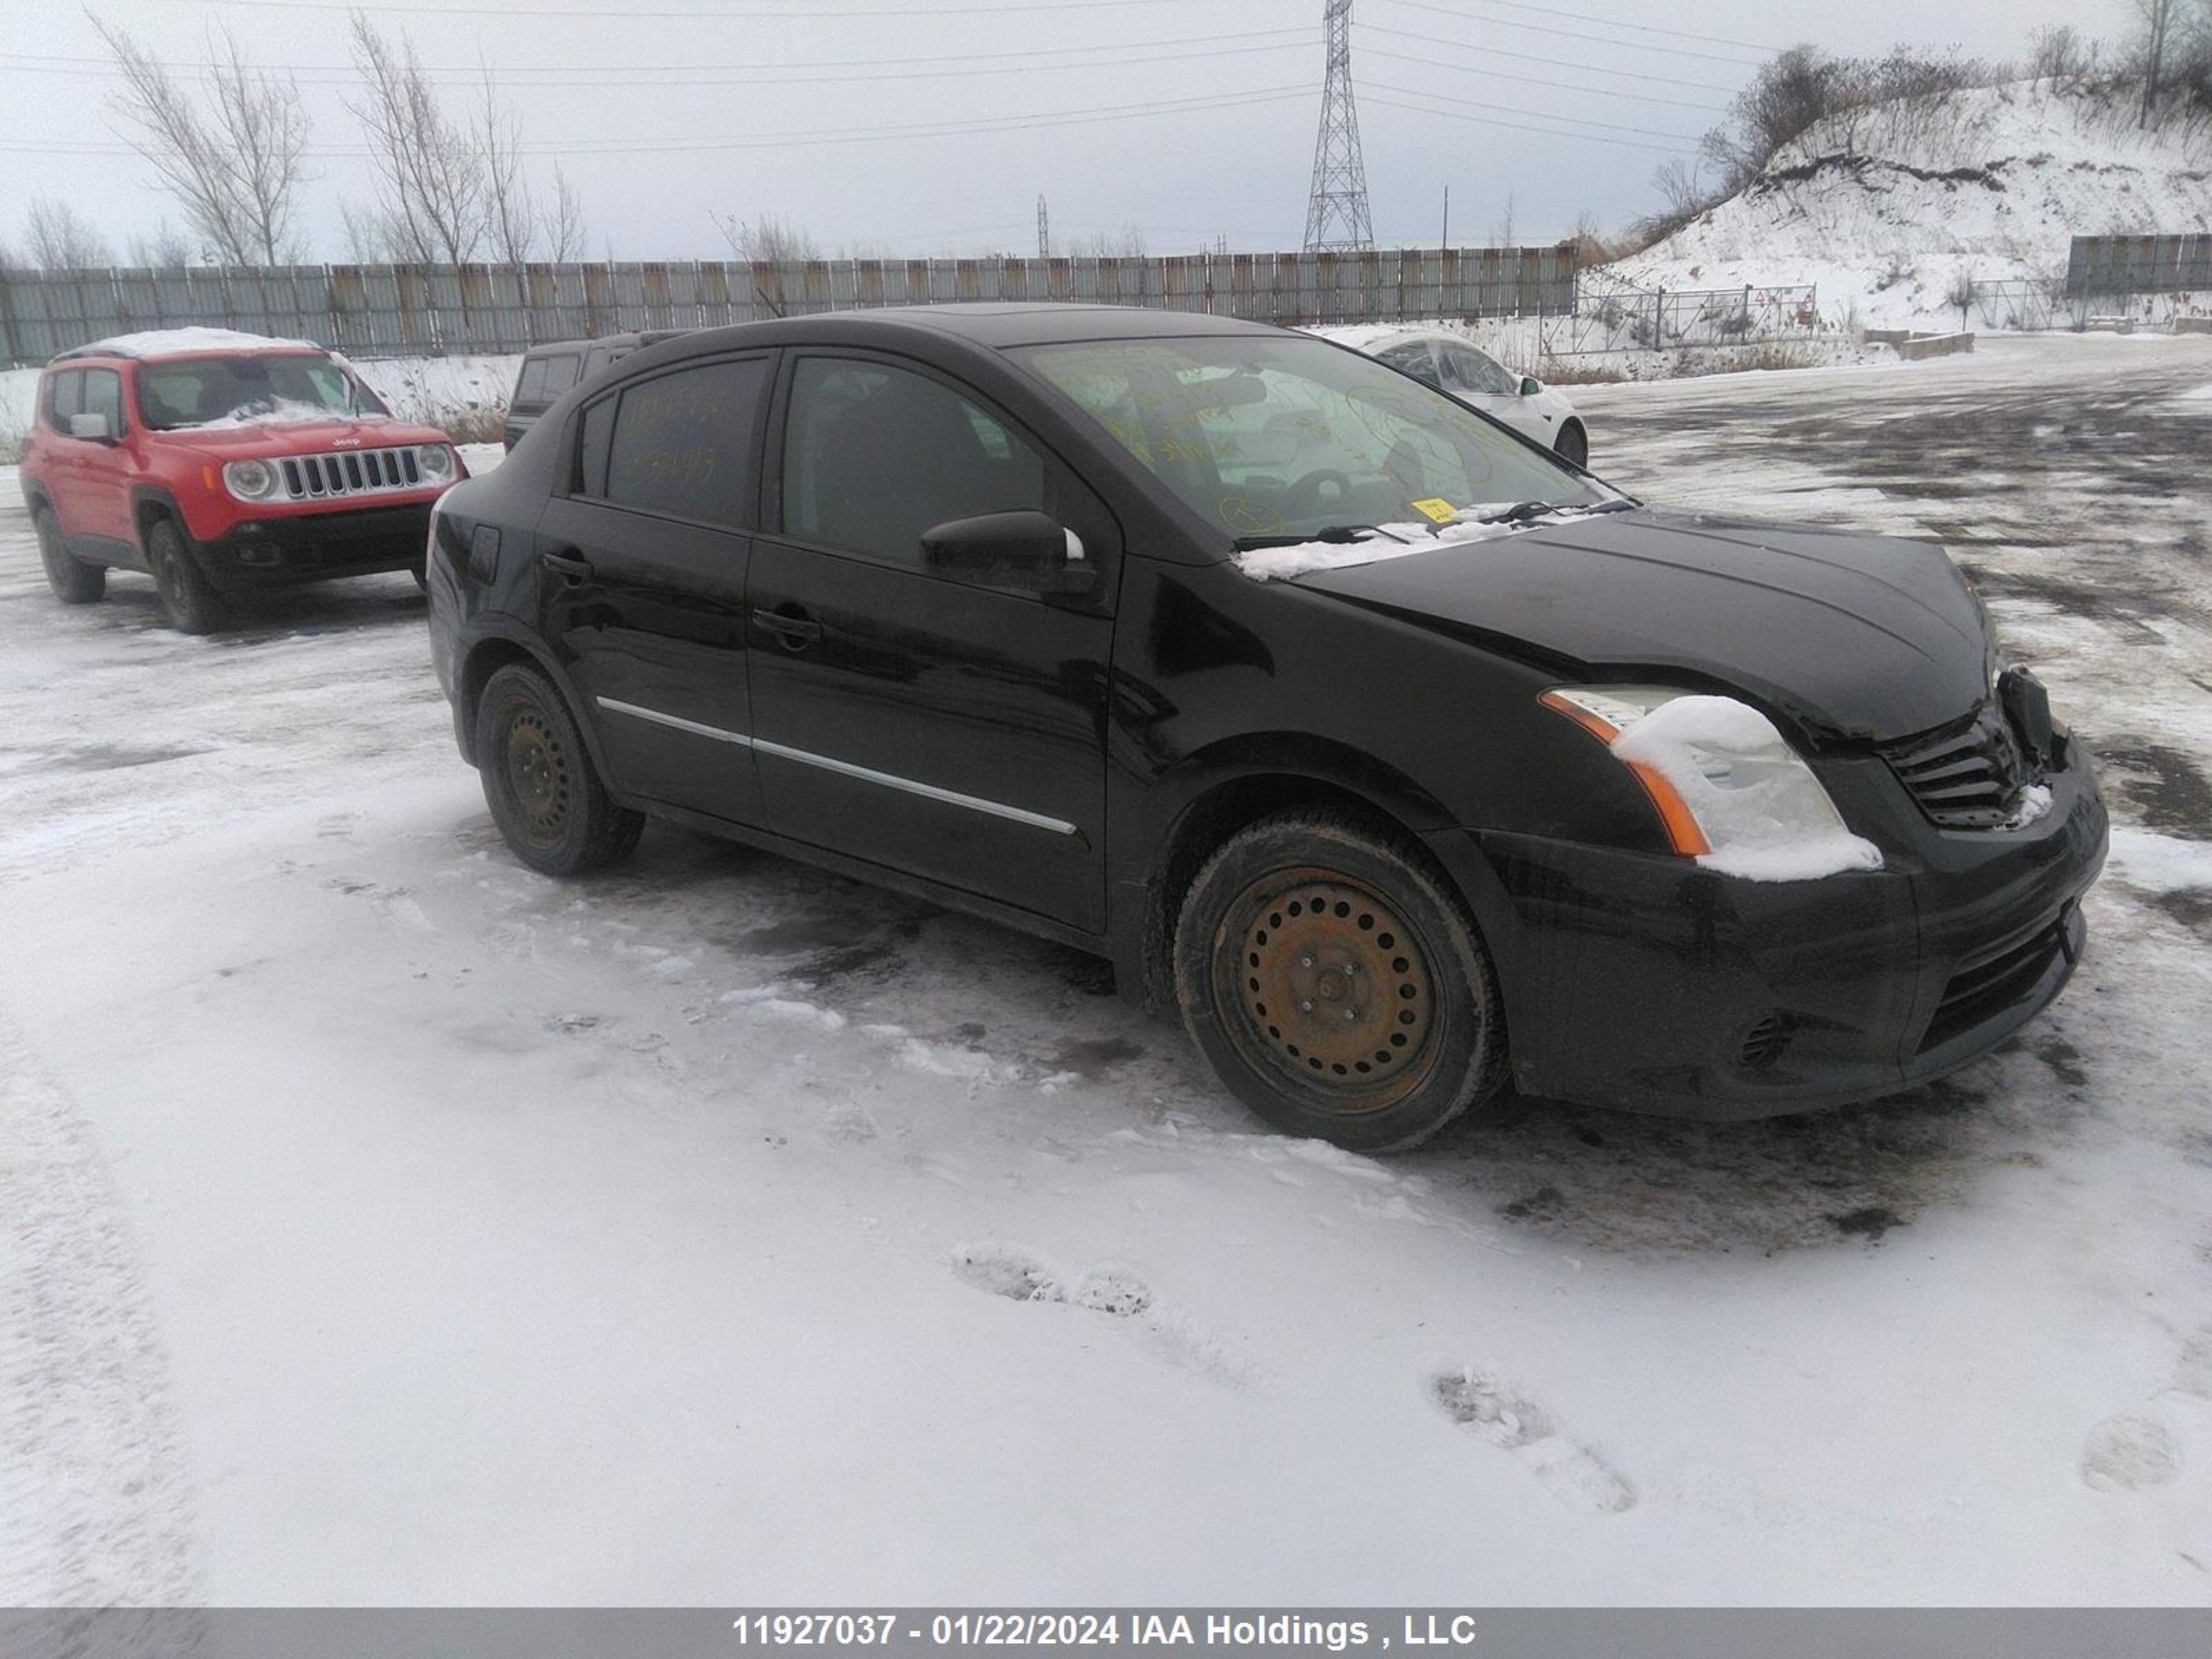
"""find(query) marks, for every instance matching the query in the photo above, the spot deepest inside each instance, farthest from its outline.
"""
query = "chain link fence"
(1613, 314)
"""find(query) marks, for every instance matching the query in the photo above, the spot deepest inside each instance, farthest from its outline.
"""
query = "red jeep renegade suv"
(222, 464)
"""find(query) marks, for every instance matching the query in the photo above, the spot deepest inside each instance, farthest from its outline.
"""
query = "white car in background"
(1462, 370)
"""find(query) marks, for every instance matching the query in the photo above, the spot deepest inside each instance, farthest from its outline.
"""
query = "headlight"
(249, 481)
(1731, 792)
(436, 461)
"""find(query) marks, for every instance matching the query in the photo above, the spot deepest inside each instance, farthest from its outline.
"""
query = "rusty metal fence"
(2139, 264)
(385, 311)
(1613, 314)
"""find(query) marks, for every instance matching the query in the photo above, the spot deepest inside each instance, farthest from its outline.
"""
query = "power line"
(814, 73)
(1641, 28)
(1535, 81)
(1518, 126)
(1305, 35)
(826, 135)
(1533, 58)
(1543, 28)
(1548, 115)
(627, 13)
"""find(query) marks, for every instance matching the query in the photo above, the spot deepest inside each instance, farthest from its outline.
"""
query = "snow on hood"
(180, 342)
(1390, 541)
(1758, 829)
(285, 413)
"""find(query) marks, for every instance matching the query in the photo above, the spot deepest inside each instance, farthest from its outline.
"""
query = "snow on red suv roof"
(183, 342)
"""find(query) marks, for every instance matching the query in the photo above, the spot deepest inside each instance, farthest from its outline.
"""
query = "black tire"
(421, 576)
(538, 780)
(74, 581)
(191, 606)
(1262, 976)
(1573, 445)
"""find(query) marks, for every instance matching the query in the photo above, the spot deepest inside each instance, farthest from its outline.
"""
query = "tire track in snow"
(95, 1501)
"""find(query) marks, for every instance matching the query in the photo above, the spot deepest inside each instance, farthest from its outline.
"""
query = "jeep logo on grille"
(345, 443)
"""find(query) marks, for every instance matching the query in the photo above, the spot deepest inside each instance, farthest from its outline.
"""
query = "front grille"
(349, 472)
(1966, 775)
(1987, 985)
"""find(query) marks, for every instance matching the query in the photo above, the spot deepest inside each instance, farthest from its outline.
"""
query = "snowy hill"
(1885, 208)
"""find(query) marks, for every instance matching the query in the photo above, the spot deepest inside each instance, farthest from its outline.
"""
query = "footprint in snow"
(1574, 1474)
(2129, 1453)
(1008, 1270)
(1020, 1275)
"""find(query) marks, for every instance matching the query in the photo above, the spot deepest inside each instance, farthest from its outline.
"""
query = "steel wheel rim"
(535, 770)
(1322, 984)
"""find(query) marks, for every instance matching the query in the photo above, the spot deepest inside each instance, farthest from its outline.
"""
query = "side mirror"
(1025, 548)
(1530, 385)
(92, 428)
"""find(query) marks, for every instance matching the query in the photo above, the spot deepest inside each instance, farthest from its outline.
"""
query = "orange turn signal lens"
(1674, 815)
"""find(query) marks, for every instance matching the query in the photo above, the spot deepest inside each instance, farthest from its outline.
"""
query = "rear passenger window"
(531, 385)
(64, 398)
(875, 455)
(682, 442)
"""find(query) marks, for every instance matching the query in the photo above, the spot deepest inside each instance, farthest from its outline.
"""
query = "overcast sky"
(902, 126)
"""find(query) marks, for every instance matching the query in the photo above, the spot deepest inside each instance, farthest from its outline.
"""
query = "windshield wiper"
(1334, 532)
(1523, 512)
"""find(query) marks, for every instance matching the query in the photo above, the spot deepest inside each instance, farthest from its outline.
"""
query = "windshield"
(245, 390)
(1275, 439)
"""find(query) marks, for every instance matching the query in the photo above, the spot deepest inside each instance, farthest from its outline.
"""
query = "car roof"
(163, 345)
(631, 337)
(991, 326)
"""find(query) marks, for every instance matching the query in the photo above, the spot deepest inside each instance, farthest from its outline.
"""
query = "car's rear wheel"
(189, 604)
(1336, 985)
(1573, 445)
(538, 780)
(74, 581)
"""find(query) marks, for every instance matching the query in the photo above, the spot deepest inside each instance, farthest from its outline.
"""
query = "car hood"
(1860, 636)
(265, 440)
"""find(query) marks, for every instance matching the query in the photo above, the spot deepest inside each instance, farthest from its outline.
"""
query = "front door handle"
(793, 629)
(569, 564)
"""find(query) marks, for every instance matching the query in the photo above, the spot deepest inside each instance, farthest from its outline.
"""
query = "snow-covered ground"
(380, 1222)
(1885, 209)
(464, 394)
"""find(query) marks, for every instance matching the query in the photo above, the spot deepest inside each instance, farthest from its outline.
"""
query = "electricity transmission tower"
(1044, 230)
(1336, 211)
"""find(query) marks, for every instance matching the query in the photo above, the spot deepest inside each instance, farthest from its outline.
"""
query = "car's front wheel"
(74, 581)
(191, 604)
(1336, 985)
(538, 780)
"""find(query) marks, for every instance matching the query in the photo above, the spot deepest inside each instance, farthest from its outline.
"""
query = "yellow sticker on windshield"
(1437, 509)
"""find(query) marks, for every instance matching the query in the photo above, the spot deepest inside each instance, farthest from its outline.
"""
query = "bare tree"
(235, 166)
(768, 238)
(2158, 19)
(432, 192)
(166, 249)
(510, 216)
(56, 237)
(562, 222)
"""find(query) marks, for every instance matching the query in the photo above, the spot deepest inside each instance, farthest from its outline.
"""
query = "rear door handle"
(568, 564)
(794, 627)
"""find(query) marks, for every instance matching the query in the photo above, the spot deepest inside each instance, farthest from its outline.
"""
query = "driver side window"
(874, 455)
(1469, 370)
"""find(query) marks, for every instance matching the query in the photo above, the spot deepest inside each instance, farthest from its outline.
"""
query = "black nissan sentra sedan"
(1403, 758)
